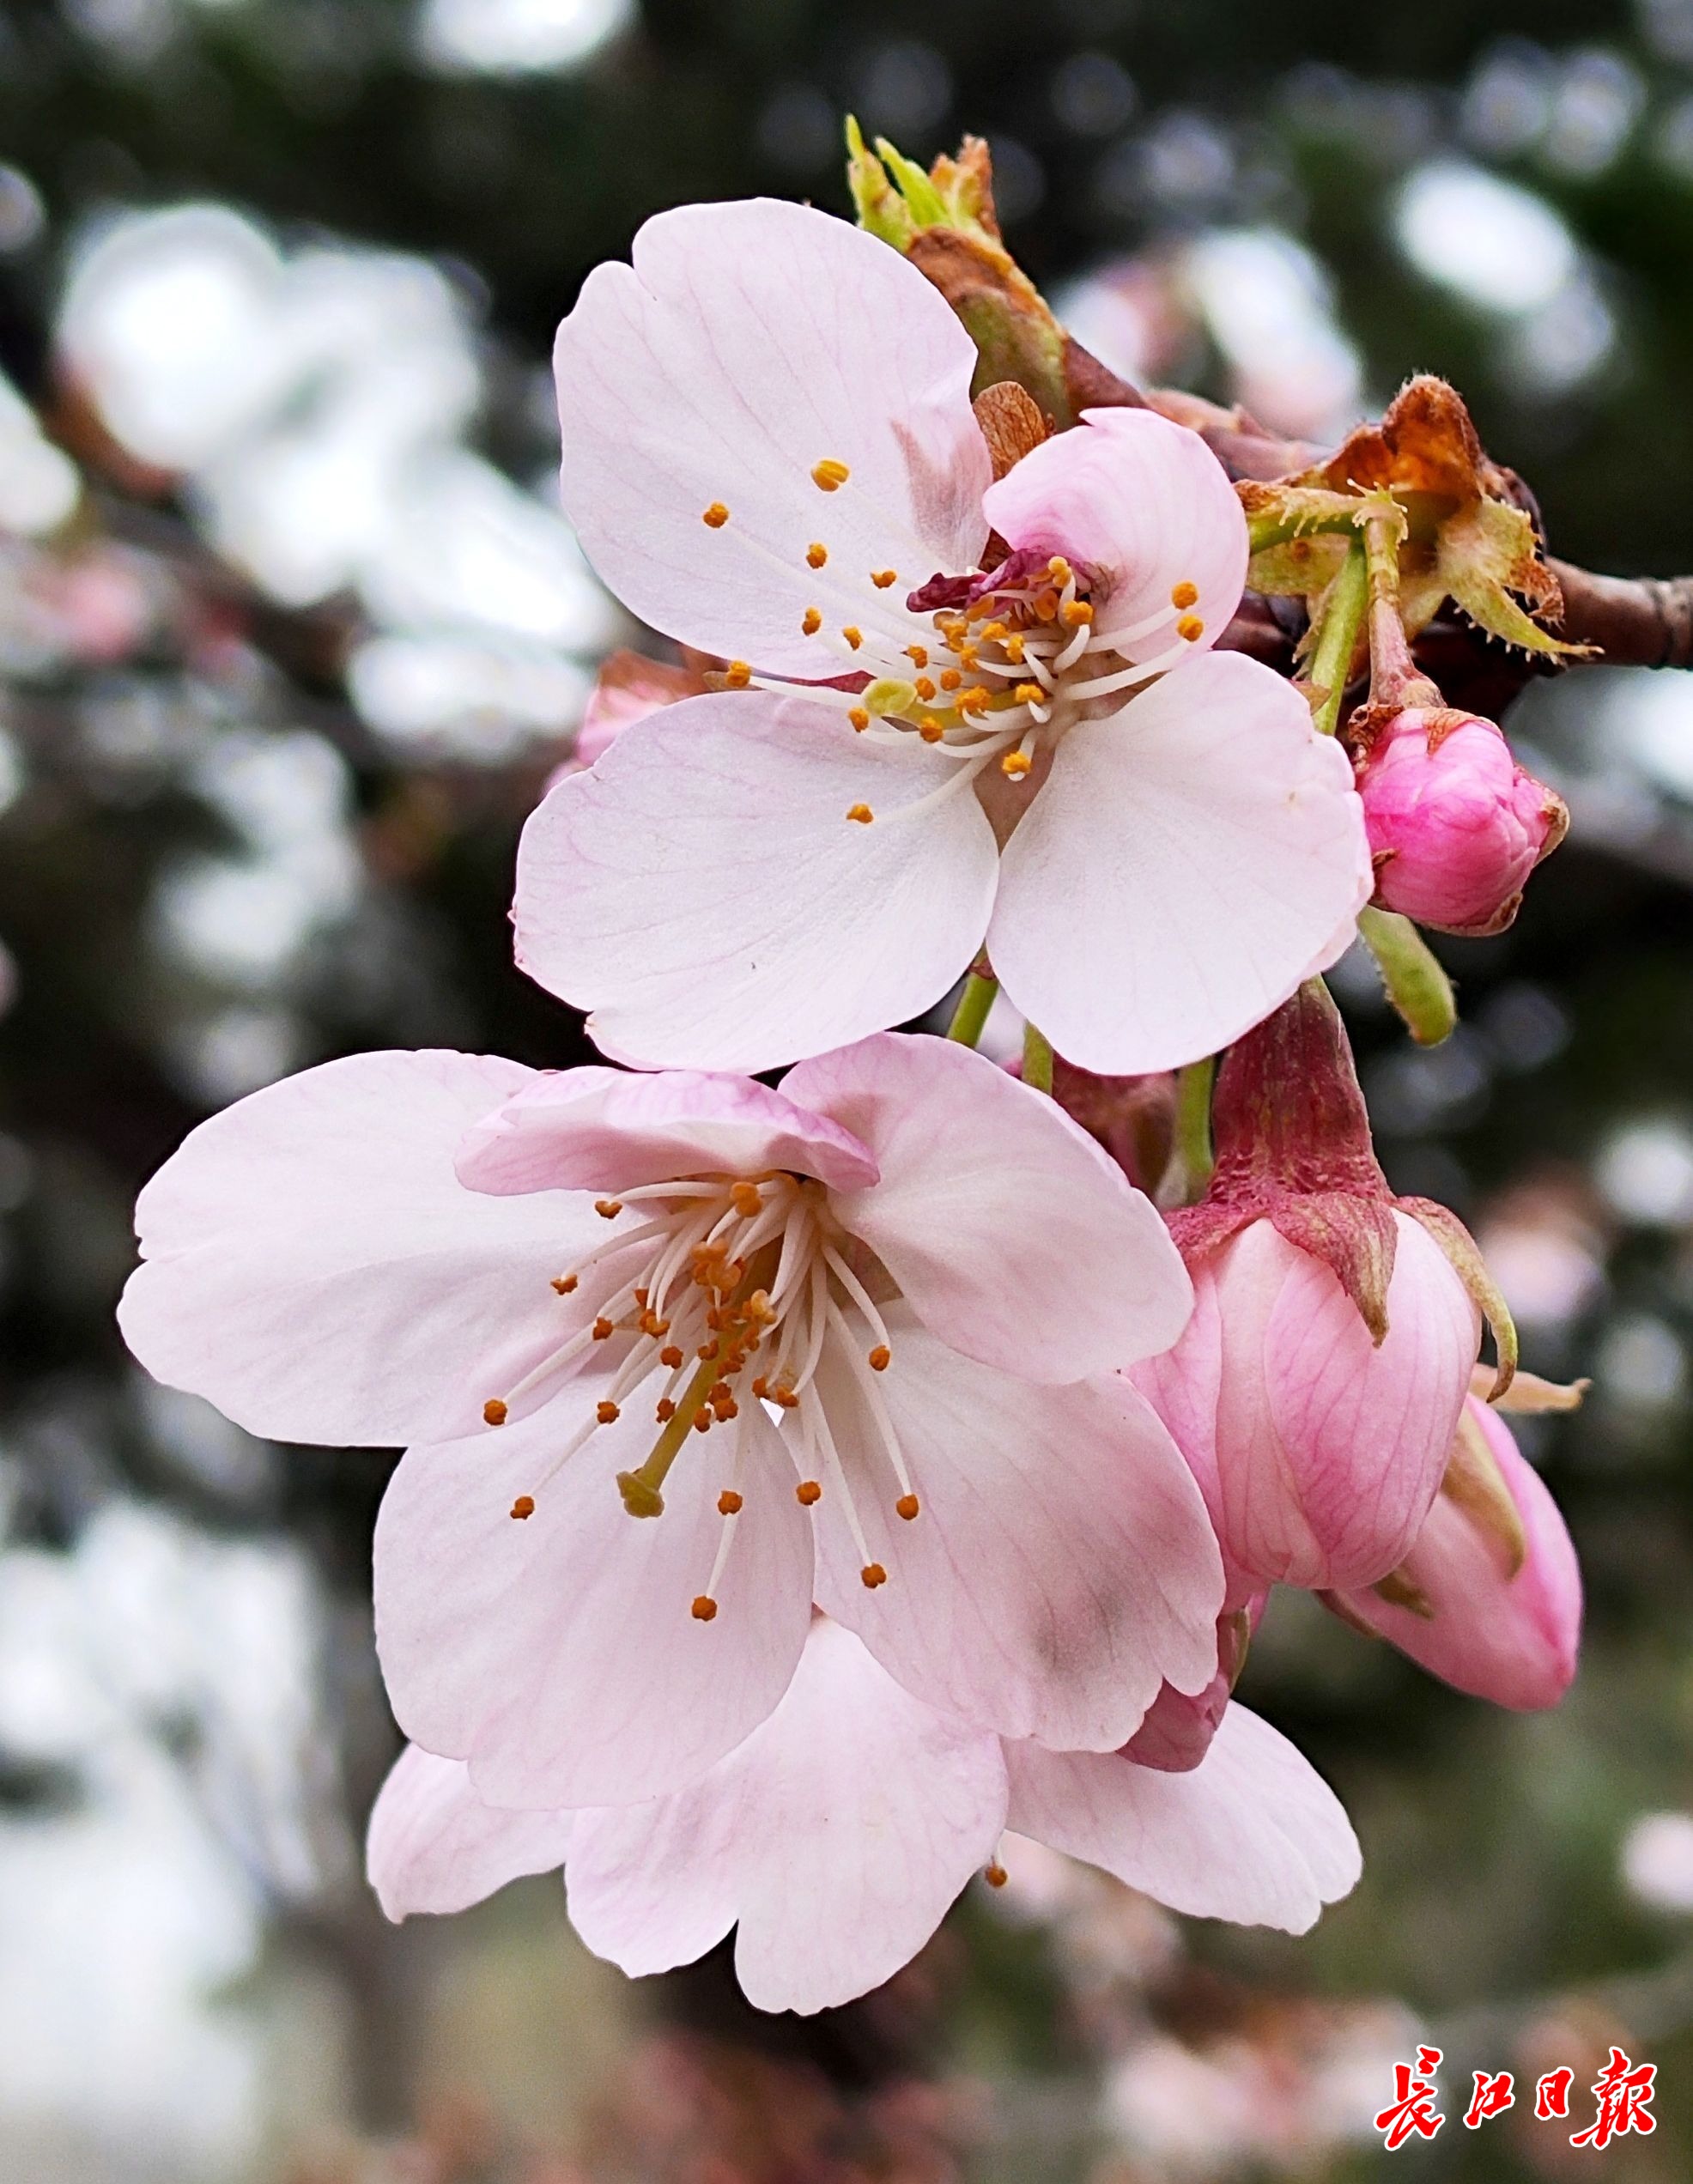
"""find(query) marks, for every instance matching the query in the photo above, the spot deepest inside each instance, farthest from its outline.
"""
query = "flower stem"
(1037, 1059)
(971, 1014)
(1194, 1159)
(1340, 620)
(1417, 986)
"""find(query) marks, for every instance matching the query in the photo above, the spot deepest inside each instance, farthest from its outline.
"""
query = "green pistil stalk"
(642, 1490)
(1417, 986)
(1195, 1158)
(1037, 1059)
(1341, 619)
(970, 1017)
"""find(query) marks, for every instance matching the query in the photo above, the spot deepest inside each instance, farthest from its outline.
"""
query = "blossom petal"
(837, 1835)
(607, 1129)
(1008, 1232)
(1062, 1565)
(704, 892)
(1144, 507)
(313, 1265)
(558, 1654)
(747, 344)
(1181, 871)
(435, 1845)
(1252, 1834)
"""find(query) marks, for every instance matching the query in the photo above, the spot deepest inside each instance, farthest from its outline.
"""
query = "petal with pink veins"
(747, 344)
(435, 1845)
(1062, 1565)
(1007, 1230)
(1146, 510)
(1187, 858)
(558, 1654)
(312, 1263)
(606, 1130)
(703, 891)
(836, 1837)
(1253, 1834)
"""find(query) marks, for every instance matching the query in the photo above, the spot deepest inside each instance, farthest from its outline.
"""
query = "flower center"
(724, 1287)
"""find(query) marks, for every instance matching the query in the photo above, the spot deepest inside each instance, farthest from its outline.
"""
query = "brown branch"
(1635, 620)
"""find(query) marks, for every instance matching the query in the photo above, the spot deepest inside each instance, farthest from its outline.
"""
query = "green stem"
(1275, 530)
(1193, 1155)
(1037, 1059)
(971, 1014)
(1343, 608)
(1417, 986)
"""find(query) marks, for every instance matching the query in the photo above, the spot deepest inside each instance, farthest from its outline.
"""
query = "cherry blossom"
(855, 1341)
(837, 1835)
(956, 711)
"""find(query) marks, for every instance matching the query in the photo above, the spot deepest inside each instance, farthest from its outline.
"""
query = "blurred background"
(292, 631)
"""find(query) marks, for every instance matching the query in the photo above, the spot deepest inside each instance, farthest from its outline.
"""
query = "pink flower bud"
(1492, 1610)
(1455, 825)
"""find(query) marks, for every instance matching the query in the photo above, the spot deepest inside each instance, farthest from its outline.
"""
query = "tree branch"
(1636, 620)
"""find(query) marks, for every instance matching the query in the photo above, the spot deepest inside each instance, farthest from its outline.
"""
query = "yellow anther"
(996, 1875)
(607, 1413)
(670, 1355)
(608, 1209)
(974, 699)
(859, 718)
(873, 1574)
(811, 620)
(1076, 613)
(1190, 627)
(807, 1493)
(862, 813)
(829, 475)
(1015, 764)
(564, 1284)
(604, 1330)
(493, 1412)
(664, 1411)
(1029, 694)
(1185, 595)
(816, 553)
(990, 633)
(853, 635)
(704, 1609)
(930, 728)
(918, 655)
(925, 688)
(729, 1503)
(747, 1197)
(907, 1506)
(881, 1358)
(1046, 606)
(739, 674)
(715, 516)
(883, 578)
(1058, 569)
(760, 1309)
(1015, 649)
(951, 678)
(523, 1506)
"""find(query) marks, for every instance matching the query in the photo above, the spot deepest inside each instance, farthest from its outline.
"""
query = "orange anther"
(748, 1197)
(829, 475)
(738, 676)
(729, 1503)
(715, 516)
(859, 718)
(1014, 650)
(1015, 764)
(1076, 613)
(1029, 694)
(1046, 606)
(706, 1351)
(664, 1410)
(785, 1398)
(873, 1574)
(807, 1492)
(493, 1412)
(951, 678)
(883, 578)
(996, 1875)
(862, 813)
(930, 728)
(811, 620)
(670, 1355)
(702, 1422)
(1190, 627)
(603, 1329)
(1185, 595)
(925, 688)
(608, 1209)
(704, 1609)
(907, 1506)
(990, 632)
(607, 1413)
(523, 1506)
(718, 1392)
(761, 1387)
(880, 1358)
(564, 1284)
(816, 553)
(726, 1410)
(853, 635)
(918, 655)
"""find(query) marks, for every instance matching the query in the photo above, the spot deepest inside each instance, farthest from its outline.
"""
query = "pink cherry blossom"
(836, 1836)
(1455, 824)
(1468, 1610)
(1318, 1451)
(769, 454)
(855, 1341)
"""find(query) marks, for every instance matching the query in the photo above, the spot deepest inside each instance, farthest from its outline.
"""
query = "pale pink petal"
(1062, 1565)
(747, 344)
(1328, 1449)
(704, 892)
(608, 1130)
(435, 1845)
(558, 1654)
(313, 1265)
(1512, 1638)
(1173, 881)
(1142, 506)
(837, 1835)
(1008, 1231)
(1253, 1834)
